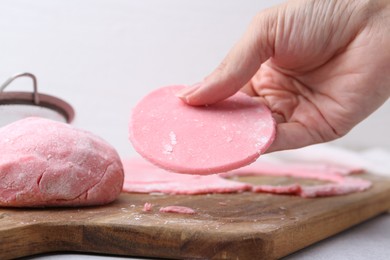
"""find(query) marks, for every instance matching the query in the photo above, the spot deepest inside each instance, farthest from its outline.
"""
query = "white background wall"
(103, 56)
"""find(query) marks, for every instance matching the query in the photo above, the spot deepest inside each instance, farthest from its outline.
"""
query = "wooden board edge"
(297, 239)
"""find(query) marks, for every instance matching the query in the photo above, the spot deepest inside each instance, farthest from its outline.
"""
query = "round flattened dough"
(200, 140)
(48, 163)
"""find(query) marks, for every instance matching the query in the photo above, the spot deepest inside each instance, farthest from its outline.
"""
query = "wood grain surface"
(226, 226)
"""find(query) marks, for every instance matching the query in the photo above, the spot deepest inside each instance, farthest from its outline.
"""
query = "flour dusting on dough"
(168, 148)
(172, 136)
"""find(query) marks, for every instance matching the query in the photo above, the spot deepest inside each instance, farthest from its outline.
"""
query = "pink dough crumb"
(177, 209)
(147, 207)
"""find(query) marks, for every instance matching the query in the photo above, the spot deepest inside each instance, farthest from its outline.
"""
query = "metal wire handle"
(26, 74)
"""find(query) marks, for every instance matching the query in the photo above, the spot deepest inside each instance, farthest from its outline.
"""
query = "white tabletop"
(102, 56)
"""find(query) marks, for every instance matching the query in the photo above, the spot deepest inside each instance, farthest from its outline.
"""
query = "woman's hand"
(320, 66)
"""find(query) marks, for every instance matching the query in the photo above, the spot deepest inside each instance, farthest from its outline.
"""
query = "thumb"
(239, 66)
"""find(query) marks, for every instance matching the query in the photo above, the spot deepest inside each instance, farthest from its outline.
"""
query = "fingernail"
(183, 93)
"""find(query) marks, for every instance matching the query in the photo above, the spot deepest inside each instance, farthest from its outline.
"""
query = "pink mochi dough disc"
(202, 139)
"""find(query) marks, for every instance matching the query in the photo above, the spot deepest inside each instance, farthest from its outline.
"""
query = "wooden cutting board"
(226, 226)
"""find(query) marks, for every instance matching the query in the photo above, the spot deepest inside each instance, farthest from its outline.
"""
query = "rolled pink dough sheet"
(200, 140)
(48, 163)
(144, 177)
